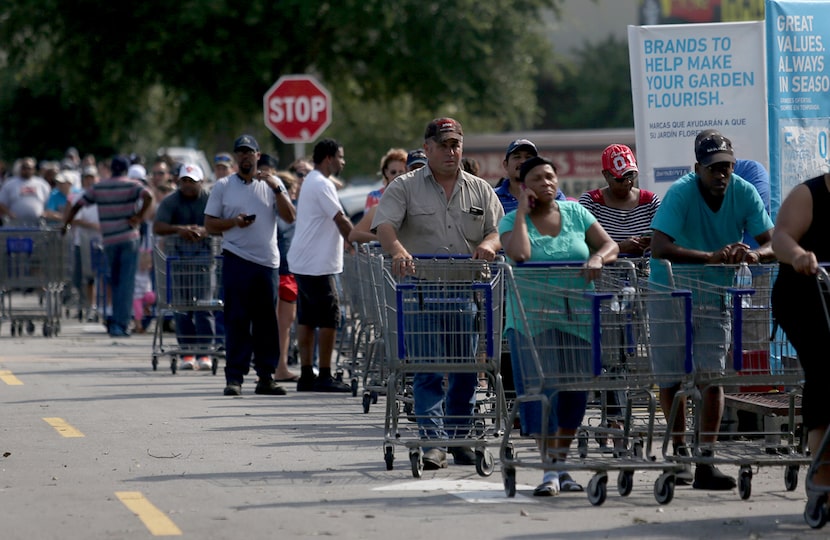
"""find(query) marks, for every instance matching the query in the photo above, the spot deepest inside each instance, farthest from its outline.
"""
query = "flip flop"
(566, 483)
(546, 489)
(293, 378)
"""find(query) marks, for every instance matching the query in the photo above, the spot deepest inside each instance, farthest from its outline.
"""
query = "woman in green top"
(544, 229)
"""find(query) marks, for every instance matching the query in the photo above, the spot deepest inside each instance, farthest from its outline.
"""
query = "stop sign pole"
(297, 109)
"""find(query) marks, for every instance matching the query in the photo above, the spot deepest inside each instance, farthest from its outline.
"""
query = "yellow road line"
(7, 377)
(154, 519)
(63, 427)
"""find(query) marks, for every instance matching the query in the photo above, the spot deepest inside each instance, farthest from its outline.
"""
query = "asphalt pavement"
(95, 444)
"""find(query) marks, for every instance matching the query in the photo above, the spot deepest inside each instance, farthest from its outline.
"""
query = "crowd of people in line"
(284, 234)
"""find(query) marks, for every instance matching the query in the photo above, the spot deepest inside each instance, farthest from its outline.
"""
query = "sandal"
(566, 483)
(292, 378)
(546, 489)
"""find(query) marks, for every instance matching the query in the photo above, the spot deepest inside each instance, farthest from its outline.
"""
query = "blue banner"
(798, 87)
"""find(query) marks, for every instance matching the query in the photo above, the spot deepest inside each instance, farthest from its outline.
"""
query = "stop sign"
(297, 108)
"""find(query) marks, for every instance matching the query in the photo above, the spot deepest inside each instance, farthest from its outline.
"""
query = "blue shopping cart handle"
(550, 264)
(441, 256)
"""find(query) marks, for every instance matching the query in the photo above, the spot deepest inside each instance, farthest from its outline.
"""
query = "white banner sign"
(689, 77)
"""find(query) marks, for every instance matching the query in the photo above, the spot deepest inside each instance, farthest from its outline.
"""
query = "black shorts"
(318, 304)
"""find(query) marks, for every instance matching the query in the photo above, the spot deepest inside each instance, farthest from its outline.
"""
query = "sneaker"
(684, 476)
(463, 455)
(709, 477)
(330, 384)
(233, 389)
(547, 489)
(269, 388)
(204, 362)
(435, 459)
(306, 384)
(187, 362)
(566, 483)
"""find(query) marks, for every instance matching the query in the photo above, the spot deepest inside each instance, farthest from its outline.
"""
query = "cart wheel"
(417, 464)
(389, 457)
(214, 365)
(745, 483)
(155, 362)
(598, 489)
(47, 330)
(56, 329)
(508, 475)
(374, 397)
(30, 328)
(367, 402)
(815, 511)
(664, 488)
(625, 483)
(582, 445)
(354, 387)
(791, 477)
(509, 453)
(14, 329)
(484, 463)
(173, 365)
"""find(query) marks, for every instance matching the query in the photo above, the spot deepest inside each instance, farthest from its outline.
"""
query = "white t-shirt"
(27, 198)
(317, 247)
(256, 243)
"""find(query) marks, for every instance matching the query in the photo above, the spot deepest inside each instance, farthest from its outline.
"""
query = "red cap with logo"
(618, 159)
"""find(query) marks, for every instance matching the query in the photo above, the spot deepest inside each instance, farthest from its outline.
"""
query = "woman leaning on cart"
(543, 229)
(799, 242)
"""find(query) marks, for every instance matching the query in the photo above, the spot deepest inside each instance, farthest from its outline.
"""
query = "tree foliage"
(156, 73)
(593, 90)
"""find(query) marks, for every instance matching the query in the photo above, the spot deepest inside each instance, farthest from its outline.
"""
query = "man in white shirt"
(23, 197)
(315, 256)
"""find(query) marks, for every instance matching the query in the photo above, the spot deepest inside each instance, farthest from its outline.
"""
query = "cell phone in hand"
(249, 218)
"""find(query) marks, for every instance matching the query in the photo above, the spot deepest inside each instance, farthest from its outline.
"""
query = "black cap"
(519, 144)
(714, 149)
(268, 161)
(442, 129)
(119, 166)
(245, 141)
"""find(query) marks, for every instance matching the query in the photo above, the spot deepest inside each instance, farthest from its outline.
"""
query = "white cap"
(137, 172)
(194, 172)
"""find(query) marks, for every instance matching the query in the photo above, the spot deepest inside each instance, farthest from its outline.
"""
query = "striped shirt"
(117, 199)
(621, 224)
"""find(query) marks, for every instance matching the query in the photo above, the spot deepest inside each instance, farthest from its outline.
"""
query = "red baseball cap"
(618, 159)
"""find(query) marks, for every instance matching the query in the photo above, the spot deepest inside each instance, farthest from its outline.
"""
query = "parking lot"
(95, 444)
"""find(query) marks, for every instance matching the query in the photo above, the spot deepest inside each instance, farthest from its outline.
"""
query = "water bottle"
(743, 280)
(615, 304)
(626, 296)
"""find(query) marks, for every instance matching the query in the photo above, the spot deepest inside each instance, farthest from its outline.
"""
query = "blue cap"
(245, 141)
(518, 144)
(415, 157)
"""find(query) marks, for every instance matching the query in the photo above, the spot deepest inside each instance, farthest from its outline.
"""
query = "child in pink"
(143, 295)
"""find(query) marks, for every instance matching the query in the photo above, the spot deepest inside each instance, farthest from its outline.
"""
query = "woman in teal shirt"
(544, 229)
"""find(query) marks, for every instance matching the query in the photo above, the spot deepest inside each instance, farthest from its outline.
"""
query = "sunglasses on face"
(628, 177)
(725, 168)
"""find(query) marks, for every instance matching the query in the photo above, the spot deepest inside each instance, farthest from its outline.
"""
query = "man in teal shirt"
(701, 221)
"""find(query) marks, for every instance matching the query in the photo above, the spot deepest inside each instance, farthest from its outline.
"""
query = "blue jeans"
(123, 260)
(567, 408)
(443, 332)
(250, 318)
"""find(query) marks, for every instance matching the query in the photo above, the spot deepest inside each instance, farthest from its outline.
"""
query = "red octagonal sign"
(297, 108)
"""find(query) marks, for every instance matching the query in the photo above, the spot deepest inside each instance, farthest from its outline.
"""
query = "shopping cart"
(366, 286)
(31, 278)
(575, 336)
(816, 512)
(188, 282)
(761, 376)
(444, 317)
